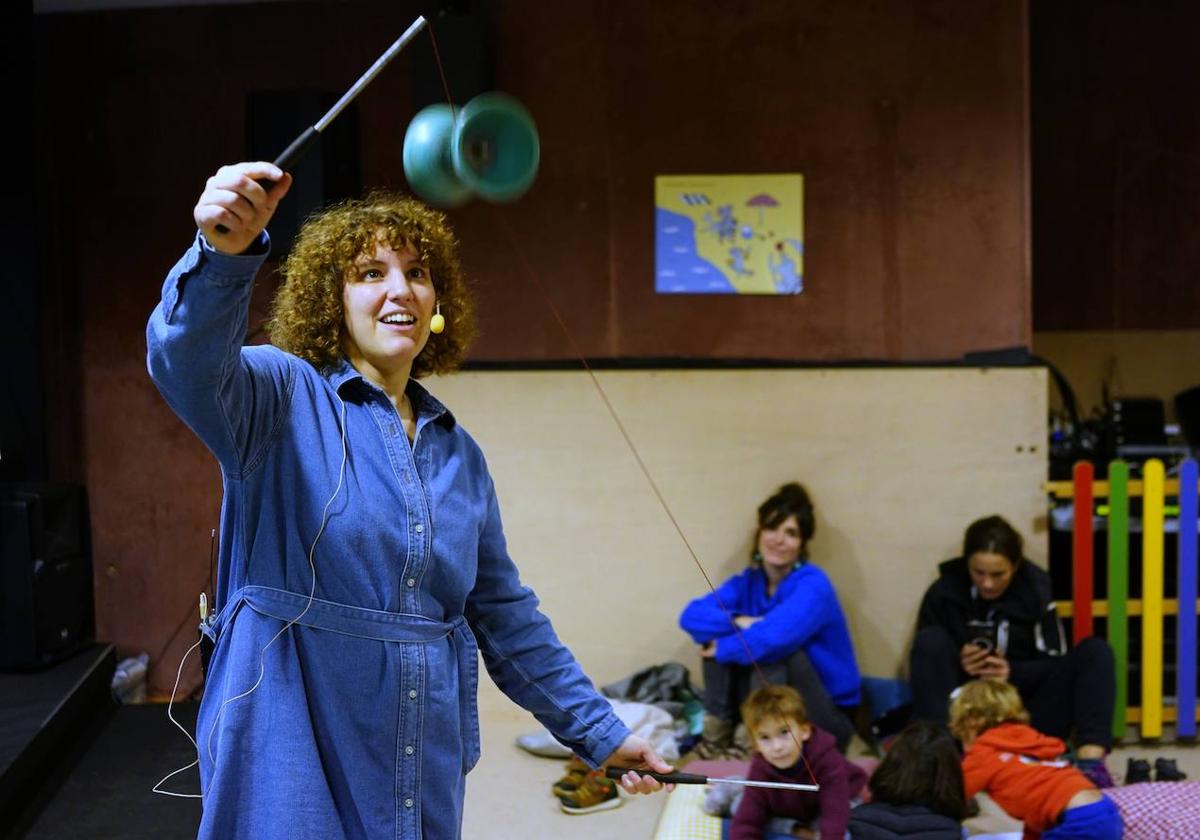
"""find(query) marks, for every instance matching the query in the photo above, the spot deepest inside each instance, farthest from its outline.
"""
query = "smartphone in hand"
(982, 634)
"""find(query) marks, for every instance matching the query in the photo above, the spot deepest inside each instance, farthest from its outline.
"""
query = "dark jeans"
(1068, 693)
(726, 686)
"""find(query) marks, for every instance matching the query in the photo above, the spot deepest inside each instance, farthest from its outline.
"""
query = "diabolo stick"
(698, 779)
(302, 143)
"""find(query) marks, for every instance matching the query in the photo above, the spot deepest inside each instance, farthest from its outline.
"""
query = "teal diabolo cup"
(495, 148)
(427, 164)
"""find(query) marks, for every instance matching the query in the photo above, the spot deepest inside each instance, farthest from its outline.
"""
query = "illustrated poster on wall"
(729, 234)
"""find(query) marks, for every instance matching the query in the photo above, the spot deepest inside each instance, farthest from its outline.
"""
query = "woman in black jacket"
(990, 615)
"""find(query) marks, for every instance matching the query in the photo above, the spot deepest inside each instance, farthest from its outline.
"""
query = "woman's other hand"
(744, 621)
(708, 650)
(234, 208)
(640, 754)
(995, 667)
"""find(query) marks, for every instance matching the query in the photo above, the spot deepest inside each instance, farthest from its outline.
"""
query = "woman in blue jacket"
(781, 614)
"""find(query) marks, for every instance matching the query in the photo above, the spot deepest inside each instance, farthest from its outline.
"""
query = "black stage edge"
(107, 789)
(43, 714)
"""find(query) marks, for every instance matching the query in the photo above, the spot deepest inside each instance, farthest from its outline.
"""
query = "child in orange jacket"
(1023, 770)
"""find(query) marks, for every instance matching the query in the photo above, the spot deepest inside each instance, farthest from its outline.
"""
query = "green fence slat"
(1118, 585)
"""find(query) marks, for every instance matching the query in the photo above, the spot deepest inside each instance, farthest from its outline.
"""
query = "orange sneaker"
(594, 793)
(576, 772)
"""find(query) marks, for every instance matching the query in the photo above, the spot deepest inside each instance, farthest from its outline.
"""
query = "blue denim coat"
(364, 724)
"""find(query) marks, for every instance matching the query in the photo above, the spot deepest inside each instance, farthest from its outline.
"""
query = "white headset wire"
(262, 660)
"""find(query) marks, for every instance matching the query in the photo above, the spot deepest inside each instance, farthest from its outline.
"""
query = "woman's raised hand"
(234, 207)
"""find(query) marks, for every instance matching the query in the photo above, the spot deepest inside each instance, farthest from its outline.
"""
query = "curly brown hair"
(307, 318)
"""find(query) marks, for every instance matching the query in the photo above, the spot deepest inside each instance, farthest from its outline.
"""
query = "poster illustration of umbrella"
(760, 201)
(713, 235)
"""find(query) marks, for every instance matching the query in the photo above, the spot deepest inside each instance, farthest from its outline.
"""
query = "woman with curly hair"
(363, 563)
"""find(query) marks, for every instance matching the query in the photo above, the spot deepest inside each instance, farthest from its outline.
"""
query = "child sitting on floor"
(1023, 770)
(787, 748)
(917, 790)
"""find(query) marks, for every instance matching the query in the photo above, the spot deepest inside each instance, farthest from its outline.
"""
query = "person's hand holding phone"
(994, 667)
(973, 657)
(983, 663)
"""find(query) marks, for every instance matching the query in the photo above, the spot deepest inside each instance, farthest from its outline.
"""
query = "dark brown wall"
(1116, 165)
(908, 120)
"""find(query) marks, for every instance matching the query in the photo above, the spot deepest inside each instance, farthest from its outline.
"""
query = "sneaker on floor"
(1137, 770)
(715, 741)
(742, 742)
(595, 793)
(576, 772)
(1166, 771)
(707, 749)
(542, 743)
(1096, 772)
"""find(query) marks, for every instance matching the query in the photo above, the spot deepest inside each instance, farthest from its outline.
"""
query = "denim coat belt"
(375, 624)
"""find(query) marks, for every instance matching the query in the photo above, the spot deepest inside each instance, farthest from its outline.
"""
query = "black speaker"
(46, 606)
(1137, 421)
(330, 171)
(1187, 412)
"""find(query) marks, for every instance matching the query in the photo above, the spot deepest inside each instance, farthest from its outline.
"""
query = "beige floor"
(508, 793)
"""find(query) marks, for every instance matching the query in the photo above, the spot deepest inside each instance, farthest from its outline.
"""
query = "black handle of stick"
(286, 160)
(665, 778)
(300, 145)
(295, 151)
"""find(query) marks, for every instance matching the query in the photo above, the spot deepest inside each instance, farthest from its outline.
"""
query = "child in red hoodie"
(1023, 770)
(787, 748)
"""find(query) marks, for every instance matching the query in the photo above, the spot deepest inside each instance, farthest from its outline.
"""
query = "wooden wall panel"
(898, 462)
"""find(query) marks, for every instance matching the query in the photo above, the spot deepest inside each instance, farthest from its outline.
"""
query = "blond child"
(788, 748)
(1023, 770)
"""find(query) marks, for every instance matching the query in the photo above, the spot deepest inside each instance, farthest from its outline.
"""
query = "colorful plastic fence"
(1155, 491)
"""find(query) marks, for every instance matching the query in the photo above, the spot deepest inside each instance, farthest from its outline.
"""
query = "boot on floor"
(1137, 770)
(1165, 770)
(716, 739)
